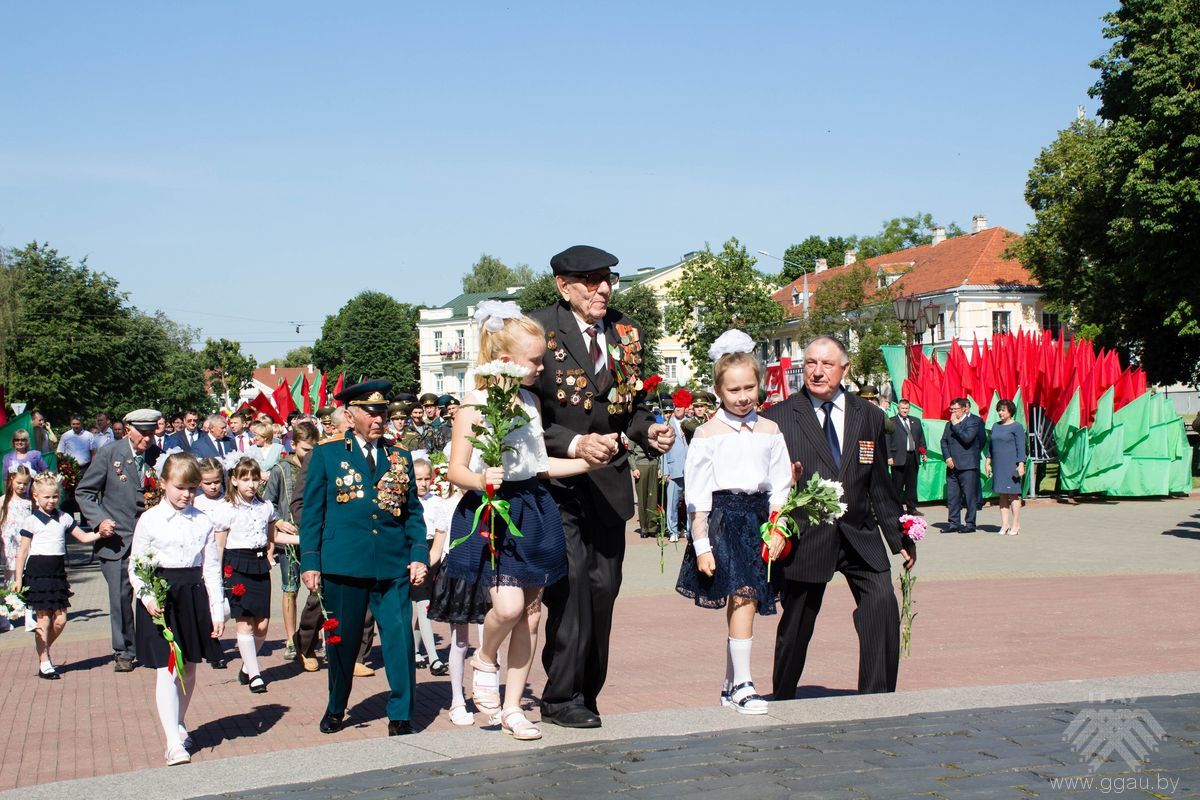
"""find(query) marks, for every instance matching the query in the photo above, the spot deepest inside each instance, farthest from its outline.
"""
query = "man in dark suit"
(111, 498)
(590, 391)
(187, 437)
(962, 442)
(840, 436)
(906, 449)
(214, 443)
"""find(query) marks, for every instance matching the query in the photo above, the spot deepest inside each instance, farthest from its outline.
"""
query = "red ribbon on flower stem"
(485, 524)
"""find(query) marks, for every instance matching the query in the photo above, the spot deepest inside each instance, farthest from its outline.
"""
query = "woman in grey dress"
(1006, 464)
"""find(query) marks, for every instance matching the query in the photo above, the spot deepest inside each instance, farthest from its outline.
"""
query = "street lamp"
(908, 311)
(931, 317)
(798, 266)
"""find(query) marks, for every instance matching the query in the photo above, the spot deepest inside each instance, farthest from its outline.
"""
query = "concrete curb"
(243, 773)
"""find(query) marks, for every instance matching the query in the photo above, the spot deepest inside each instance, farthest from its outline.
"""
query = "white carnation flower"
(498, 368)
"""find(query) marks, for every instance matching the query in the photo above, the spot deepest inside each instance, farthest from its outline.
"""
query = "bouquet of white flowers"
(819, 500)
(14, 601)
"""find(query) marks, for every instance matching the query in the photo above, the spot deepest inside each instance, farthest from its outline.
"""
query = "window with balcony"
(1000, 321)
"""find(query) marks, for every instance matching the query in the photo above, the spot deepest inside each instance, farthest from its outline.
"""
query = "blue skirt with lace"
(733, 531)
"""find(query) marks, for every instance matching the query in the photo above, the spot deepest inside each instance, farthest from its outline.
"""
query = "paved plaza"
(1098, 592)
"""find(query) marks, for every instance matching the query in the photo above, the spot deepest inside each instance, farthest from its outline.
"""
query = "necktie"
(370, 450)
(594, 349)
(831, 436)
(241, 445)
(140, 460)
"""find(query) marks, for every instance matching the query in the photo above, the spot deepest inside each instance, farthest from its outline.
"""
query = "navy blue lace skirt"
(733, 527)
(536, 558)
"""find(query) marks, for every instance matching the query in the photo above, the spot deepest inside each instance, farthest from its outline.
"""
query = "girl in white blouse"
(737, 474)
(181, 541)
(247, 570)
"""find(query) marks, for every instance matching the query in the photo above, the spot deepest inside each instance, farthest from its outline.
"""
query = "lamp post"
(797, 266)
(908, 311)
(931, 316)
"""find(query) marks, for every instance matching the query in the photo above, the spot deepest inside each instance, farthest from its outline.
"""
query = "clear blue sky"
(266, 161)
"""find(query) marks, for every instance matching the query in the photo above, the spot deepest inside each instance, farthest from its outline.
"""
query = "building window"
(1051, 323)
(787, 347)
(778, 347)
(438, 383)
(1000, 321)
(437, 341)
(461, 343)
(941, 326)
(796, 297)
(671, 369)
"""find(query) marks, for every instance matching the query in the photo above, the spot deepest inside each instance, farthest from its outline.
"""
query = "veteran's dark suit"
(905, 461)
(594, 505)
(111, 488)
(362, 551)
(851, 545)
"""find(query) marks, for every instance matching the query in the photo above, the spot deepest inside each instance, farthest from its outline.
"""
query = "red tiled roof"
(288, 374)
(974, 259)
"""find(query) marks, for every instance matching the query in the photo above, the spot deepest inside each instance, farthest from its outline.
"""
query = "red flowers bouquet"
(651, 383)
(330, 624)
(152, 490)
(68, 471)
(682, 398)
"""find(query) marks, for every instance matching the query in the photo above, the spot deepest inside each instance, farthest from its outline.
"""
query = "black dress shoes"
(52, 675)
(952, 529)
(123, 664)
(571, 717)
(219, 664)
(967, 529)
(331, 723)
(399, 727)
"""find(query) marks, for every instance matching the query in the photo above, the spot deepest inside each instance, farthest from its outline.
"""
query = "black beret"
(368, 395)
(580, 259)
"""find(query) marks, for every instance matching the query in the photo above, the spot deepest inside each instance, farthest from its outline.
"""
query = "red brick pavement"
(666, 654)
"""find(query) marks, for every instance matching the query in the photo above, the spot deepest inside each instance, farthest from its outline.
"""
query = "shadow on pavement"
(237, 726)
(85, 614)
(810, 692)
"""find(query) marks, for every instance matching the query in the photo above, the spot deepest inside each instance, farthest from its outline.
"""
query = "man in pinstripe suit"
(840, 436)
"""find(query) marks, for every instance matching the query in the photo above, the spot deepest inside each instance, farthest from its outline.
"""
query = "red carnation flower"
(682, 398)
(329, 624)
(651, 383)
(228, 571)
(238, 589)
(334, 639)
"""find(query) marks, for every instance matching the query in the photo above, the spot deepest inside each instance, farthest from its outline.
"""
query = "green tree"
(802, 257)
(542, 291)
(851, 308)
(230, 369)
(490, 274)
(372, 335)
(901, 233)
(1116, 204)
(716, 292)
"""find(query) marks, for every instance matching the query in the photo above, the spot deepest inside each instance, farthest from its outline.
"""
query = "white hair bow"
(491, 314)
(731, 341)
(161, 462)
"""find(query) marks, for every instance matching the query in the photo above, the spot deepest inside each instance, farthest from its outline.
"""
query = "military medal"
(866, 451)
(570, 380)
(581, 382)
(560, 354)
(558, 376)
(587, 403)
(562, 396)
(575, 399)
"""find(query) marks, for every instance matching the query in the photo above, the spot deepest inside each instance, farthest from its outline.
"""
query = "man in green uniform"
(362, 542)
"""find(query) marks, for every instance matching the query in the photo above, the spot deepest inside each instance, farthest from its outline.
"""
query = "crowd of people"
(375, 504)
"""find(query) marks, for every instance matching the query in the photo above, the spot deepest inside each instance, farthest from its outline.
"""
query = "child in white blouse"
(181, 541)
(250, 523)
(41, 568)
(738, 474)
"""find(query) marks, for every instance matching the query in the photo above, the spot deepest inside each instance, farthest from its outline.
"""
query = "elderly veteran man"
(111, 496)
(362, 542)
(591, 388)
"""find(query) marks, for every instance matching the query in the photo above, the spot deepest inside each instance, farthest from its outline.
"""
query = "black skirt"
(187, 614)
(458, 601)
(46, 586)
(249, 588)
(733, 531)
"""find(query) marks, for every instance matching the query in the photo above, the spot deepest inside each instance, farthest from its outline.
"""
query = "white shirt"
(217, 510)
(438, 513)
(839, 416)
(741, 460)
(48, 534)
(242, 442)
(177, 539)
(906, 423)
(76, 445)
(527, 457)
(587, 340)
(248, 524)
(101, 438)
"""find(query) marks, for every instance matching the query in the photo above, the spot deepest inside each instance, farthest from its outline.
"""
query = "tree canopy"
(716, 292)
(490, 274)
(230, 370)
(72, 345)
(373, 335)
(849, 307)
(1117, 202)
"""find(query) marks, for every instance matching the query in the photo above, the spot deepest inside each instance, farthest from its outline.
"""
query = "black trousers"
(904, 478)
(579, 608)
(876, 619)
(962, 492)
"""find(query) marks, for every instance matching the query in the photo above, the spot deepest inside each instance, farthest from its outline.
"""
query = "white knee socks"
(166, 693)
(247, 647)
(426, 628)
(458, 657)
(739, 658)
(189, 683)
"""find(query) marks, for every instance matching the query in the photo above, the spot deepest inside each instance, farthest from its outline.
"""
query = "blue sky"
(245, 166)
